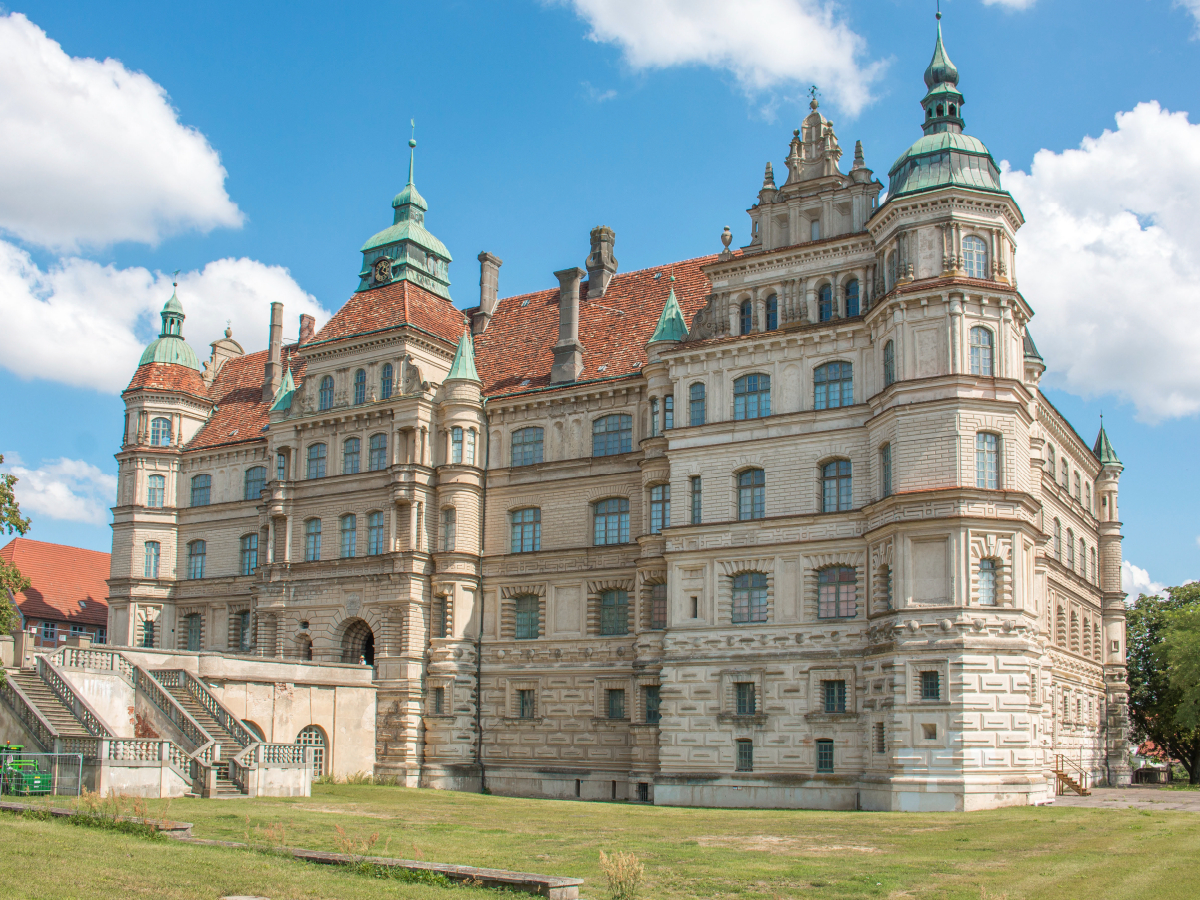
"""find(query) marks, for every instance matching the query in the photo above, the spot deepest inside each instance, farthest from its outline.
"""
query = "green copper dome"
(169, 346)
(671, 325)
(944, 157)
(463, 366)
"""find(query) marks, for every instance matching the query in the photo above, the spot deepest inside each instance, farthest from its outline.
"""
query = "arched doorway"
(358, 643)
(314, 737)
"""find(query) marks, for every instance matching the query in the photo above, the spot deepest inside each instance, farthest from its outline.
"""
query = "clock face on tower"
(383, 270)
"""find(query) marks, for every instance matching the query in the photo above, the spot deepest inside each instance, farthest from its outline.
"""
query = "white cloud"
(768, 45)
(86, 325)
(1018, 4)
(596, 95)
(1192, 6)
(1136, 580)
(1110, 259)
(68, 489)
(92, 153)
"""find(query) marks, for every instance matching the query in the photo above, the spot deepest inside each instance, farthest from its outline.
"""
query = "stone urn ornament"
(726, 239)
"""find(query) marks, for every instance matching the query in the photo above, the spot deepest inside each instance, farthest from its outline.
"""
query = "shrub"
(624, 873)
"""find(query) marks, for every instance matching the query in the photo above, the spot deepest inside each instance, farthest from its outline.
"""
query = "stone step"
(57, 713)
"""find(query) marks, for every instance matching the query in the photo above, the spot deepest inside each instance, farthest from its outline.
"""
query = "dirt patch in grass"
(773, 843)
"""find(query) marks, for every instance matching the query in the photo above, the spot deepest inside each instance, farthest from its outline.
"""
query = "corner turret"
(169, 346)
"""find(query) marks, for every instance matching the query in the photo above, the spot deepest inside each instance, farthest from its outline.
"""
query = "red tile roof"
(62, 577)
(237, 392)
(393, 305)
(168, 377)
(517, 345)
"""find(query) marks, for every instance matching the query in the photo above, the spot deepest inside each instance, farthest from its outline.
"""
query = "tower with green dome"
(169, 346)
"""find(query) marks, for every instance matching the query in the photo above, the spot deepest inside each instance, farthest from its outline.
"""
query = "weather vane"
(813, 92)
(175, 279)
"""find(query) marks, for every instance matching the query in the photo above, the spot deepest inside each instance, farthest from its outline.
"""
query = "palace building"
(784, 526)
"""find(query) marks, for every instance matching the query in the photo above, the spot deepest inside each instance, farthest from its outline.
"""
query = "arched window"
(349, 531)
(526, 530)
(891, 270)
(660, 508)
(1082, 557)
(456, 445)
(1092, 565)
(378, 453)
(528, 618)
(749, 598)
(360, 387)
(852, 297)
(316, 460)
(696, 404)
(375, 533)
(825, 303)
(385, 381)
(614, 613)
(201, 490)
(889, 363)
(752, 494)
(255, 482)
(325, 395)
(1087, 489)
(469, 450)
(772, 313)
(974, 257)
(833, 385)
(160, 432)
(746, 318)
(313, 738)
(197, 550)
(1078, 489)
(281, 466)
(1058, 540)
(527, 446)
(981, 352)
(351, 456)
(752, 397)
(449, 529)
(940, 110)
(885, 469)
(1051, 466)
(837, 487)
(987, 582)
(152, 551)
(653, 417)
(312, 540)
(612, 435)
(987, 461)
(1070, 548)
(953, 110)
(249, 553)
(610, 521)
(837, 593)
(156, 491)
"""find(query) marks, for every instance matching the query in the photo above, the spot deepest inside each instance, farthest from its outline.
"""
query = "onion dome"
(169, 346)
(945, 156)
(407, 251)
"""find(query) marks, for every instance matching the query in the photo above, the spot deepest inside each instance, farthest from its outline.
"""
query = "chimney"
(273, 376)
(601, 264)
(306, 328)
(489, 286)
(568, 352)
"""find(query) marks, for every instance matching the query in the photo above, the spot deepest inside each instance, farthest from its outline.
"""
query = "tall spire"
(412, 150)
(464, 360)
(671, 325)
(943, 103)
(1103, 450)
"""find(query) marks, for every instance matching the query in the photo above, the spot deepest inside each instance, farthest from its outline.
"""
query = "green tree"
(1163, 635)
(11, 580)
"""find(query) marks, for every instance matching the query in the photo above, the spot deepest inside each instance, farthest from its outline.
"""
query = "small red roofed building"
(67, 596)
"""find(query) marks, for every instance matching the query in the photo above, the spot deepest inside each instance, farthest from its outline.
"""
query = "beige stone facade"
(840, 552)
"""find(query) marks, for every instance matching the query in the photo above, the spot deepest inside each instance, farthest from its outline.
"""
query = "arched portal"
(358, 643)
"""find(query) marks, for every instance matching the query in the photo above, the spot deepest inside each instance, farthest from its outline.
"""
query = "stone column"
(956, 312)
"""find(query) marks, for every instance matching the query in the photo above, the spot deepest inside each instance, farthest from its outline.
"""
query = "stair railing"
(139, 750)
(1064, 766)
(29, 715)
(145, 682)
(92, 658)
(227, 720)
(53, 679)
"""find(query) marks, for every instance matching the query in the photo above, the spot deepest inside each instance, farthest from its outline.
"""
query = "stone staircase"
(229, 744)
(57, 713)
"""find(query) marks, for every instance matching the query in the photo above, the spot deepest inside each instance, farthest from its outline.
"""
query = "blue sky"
(537, 121)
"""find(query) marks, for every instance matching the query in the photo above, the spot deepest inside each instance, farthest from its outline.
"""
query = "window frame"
(348, 536)
(612, 622)
(987, 461)
(825, 756)
(885, 468)
(312, 540)
(696, 498)
(156, 489)
(823, 384)
(531, 443)
(386, 376)
(248, 553)
(376, 533)
(745, 698)
(749, 599)
(983, 352)
(889, 363)
(986, 573)
(743, 755)
(837, 593)
(316, 459)
(771, 308)
(248, 483)
(160, 437)
(658, 606)
(601, 510)
(930, 685)
(975, 257)
(751, 396)
(833, 692)
(525, 526)
(605, 437)
(852, 296)
(697, 403)
(377, 453)
(825, 303)
(660, 507)
(351, 456)
(325, 394)
(449, 529)
(360, 387)
(151, 558)
(527, 617)
(837, 475)
(746, 317)
(751, 495)
(197, 553)
(201, 490)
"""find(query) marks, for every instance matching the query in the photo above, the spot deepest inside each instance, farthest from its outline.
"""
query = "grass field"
(1056, 854)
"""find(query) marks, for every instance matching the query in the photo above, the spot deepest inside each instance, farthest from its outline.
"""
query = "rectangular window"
(746, 701)
(614, 613)
(449, 527)
(526, 530)
(528, 618)
(78, 630)
(281, 466)
(375, 533)
(752, 495)
(694, 483)
(660, 508)
(49, 632)
(752, 397)
(653, 704)
(312, 540)
(824, 756)
(197, 551)
(469, 454)
(931, 685)
(880, 740)
(249, 554)
(837, 593)
(525, 704)
(668, 412)
(101, 636)
(612, 435)
(456, 445)
(696, 404)
(658, 606)
(151, 565)
(835, 696)
(156, 491)
(439, 701)
(316, 461)
(987, 461)
(377, 458)
(349, 535)
(351, 456)
(195, 626)
(749, 598)
(201, 490)
(610, 521)
(745, 756)
(616, 703)
(885, 468)
(256, 480)
(653, 417)
(527, 446)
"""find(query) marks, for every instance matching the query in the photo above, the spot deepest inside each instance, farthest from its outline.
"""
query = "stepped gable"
(157, 376)
(519, 340)
(391, 306)
(62, 577)
(241, 413)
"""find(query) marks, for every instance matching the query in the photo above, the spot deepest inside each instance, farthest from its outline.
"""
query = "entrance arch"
(358, 643)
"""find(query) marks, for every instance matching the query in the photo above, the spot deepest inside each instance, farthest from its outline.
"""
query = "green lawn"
(1065, 854)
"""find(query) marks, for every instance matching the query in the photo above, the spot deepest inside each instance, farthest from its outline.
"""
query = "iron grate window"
(526, 705)
(824, 756)
(616, 703)
(745, 756)
(931, 685)
(746, 700)
(835, 695)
